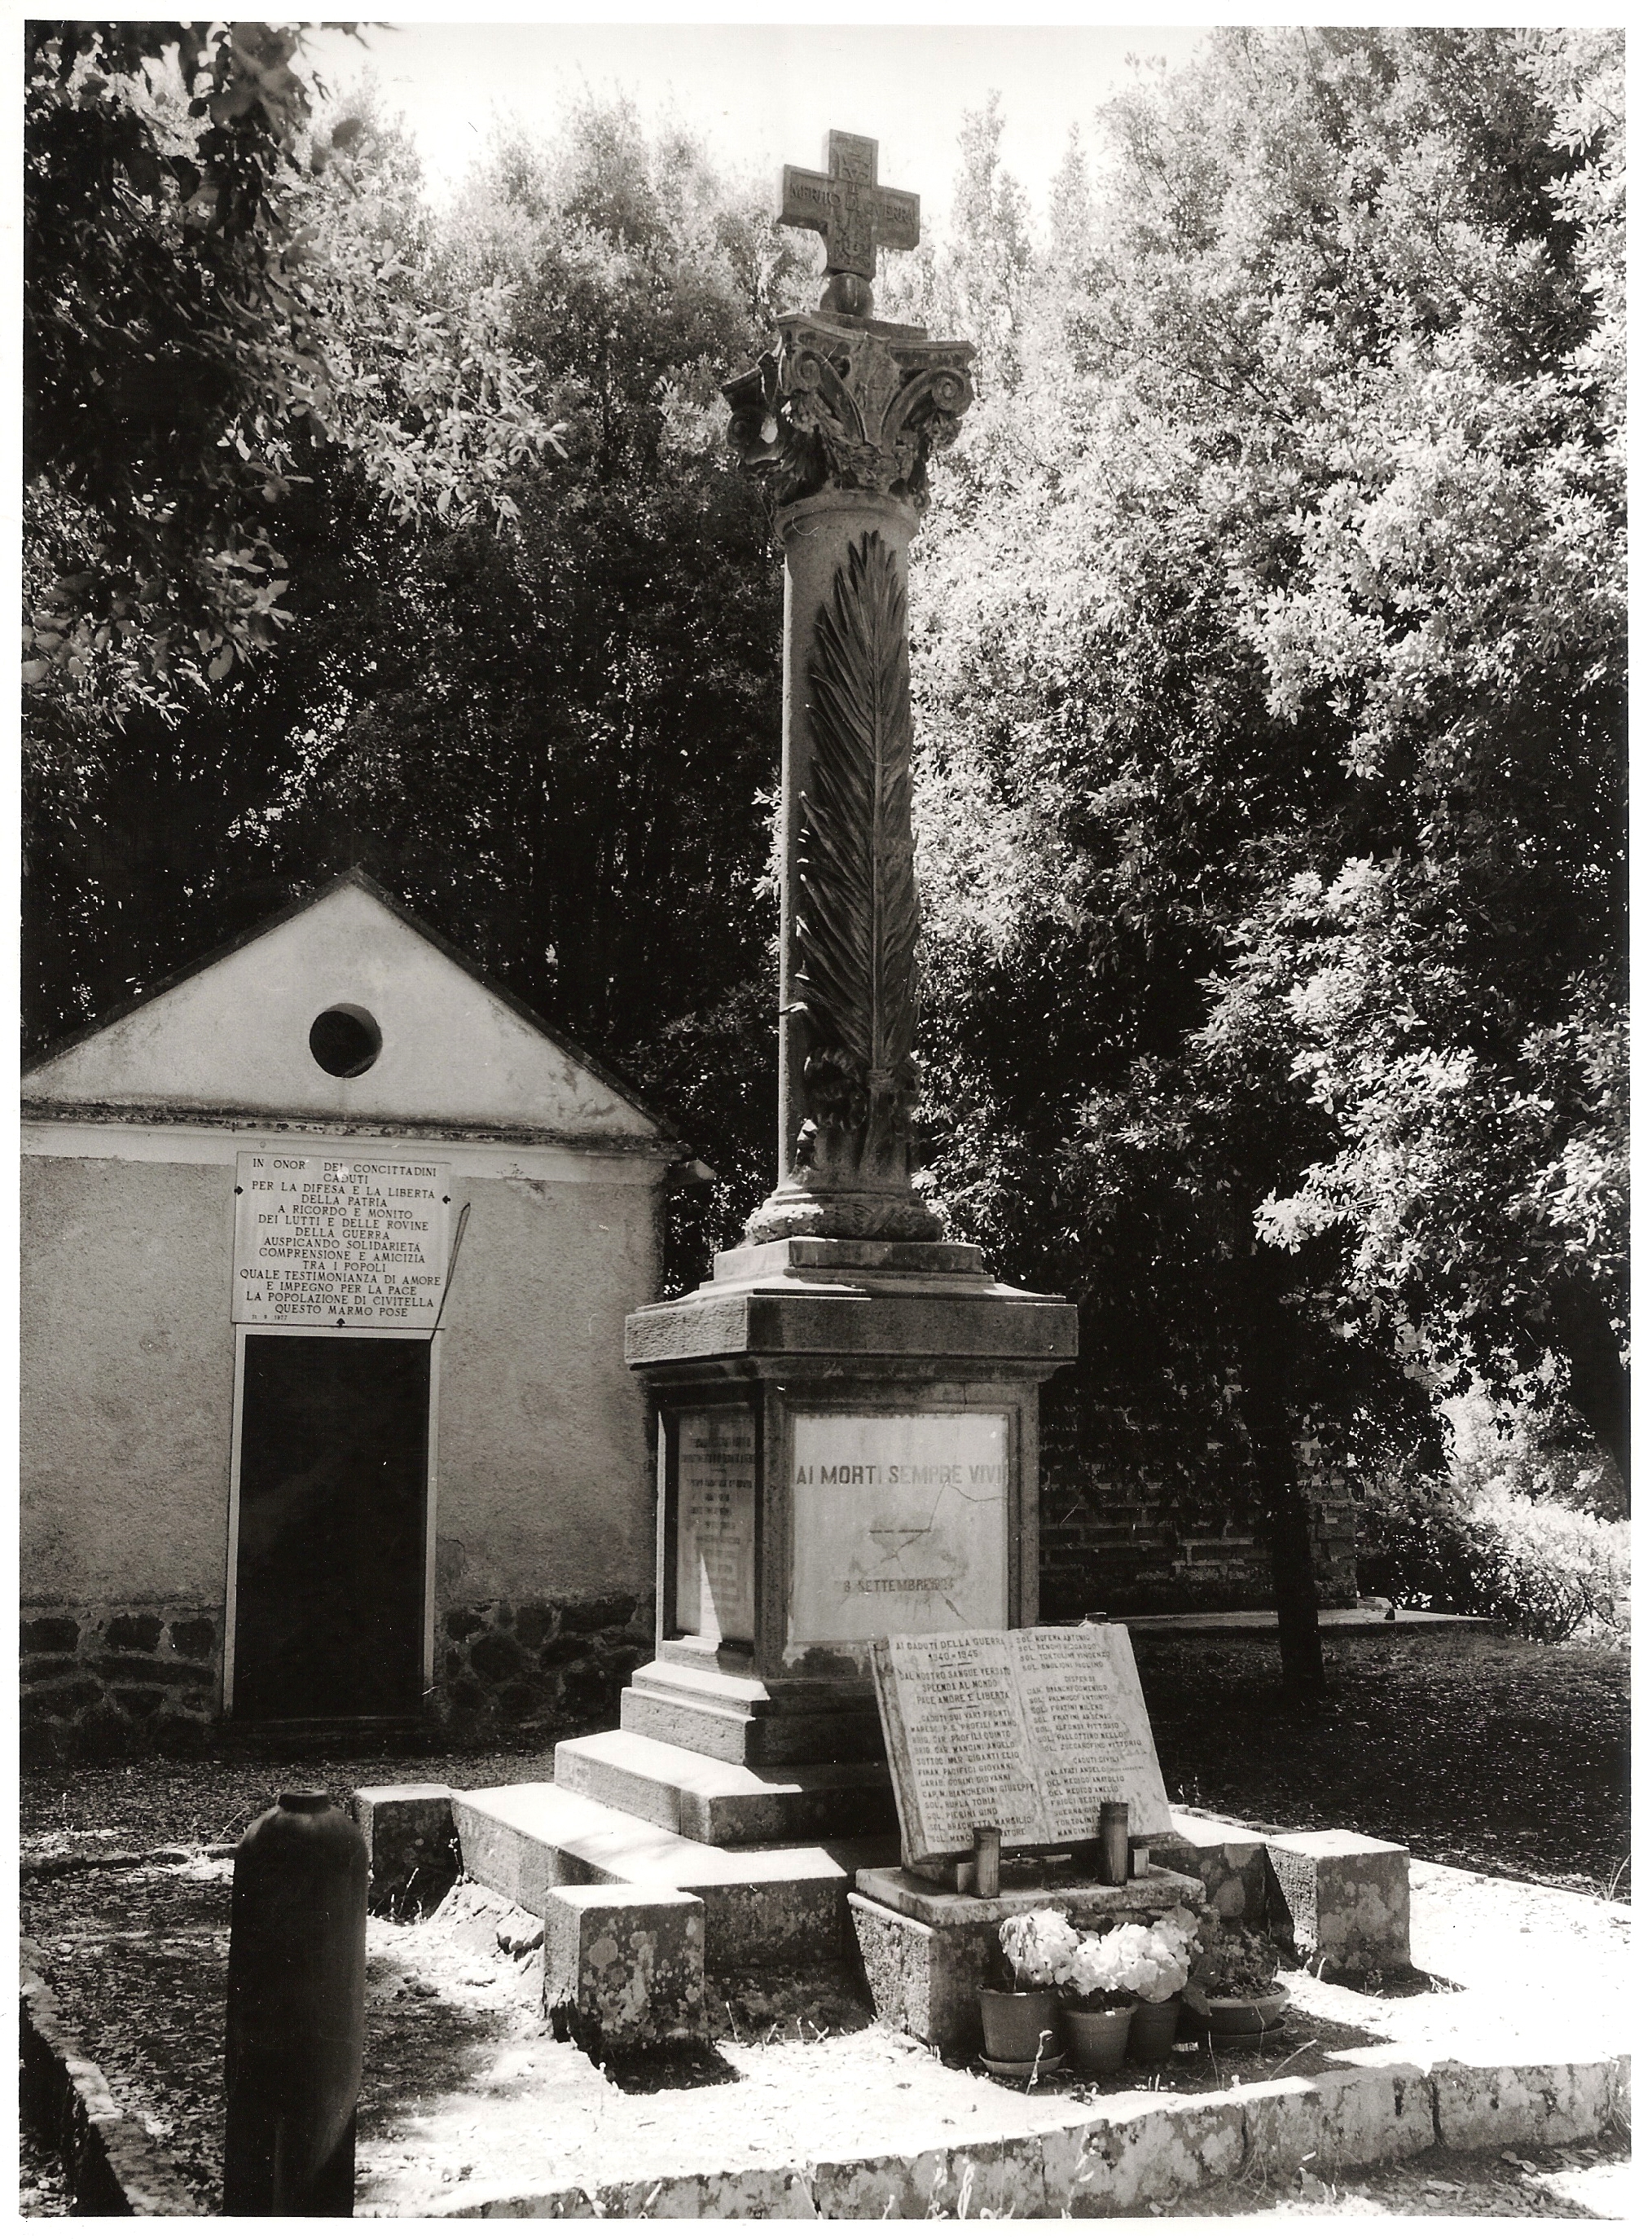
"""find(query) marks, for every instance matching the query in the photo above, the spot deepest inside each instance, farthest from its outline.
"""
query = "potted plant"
(1234, 1987)
(1095, 2006)
(1155, 1966)
(1018, 2024)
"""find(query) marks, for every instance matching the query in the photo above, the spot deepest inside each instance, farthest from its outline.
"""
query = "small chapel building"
(326, 1248)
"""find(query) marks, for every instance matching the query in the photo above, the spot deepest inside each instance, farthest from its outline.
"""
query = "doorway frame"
(243, 1330)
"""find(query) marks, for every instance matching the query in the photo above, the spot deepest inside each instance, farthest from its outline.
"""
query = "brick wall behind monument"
(1118, 1540)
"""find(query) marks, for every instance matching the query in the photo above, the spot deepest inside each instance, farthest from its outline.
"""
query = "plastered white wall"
(235, 1037)
(543, 1488)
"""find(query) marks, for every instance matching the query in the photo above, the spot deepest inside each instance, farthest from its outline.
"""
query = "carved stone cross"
(846, 204)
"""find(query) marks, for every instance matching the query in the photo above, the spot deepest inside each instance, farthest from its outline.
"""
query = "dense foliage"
(1544, 1571)
(215, 299)
(1270, 650)
(526, 670)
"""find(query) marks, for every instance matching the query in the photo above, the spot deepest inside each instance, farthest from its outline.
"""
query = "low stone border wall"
(1124, 2156)
(112, 2165)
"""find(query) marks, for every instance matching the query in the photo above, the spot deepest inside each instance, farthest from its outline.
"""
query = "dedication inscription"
(716, 1505)
(1028, 1732)
(340, 1243)
(900, 1524)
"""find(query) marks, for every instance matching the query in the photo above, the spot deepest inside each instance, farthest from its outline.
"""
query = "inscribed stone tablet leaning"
(900, 1524)
(331, 1242)
(1088, 1730)
(958, 1749)
(1028, 1731)
(716, 1502)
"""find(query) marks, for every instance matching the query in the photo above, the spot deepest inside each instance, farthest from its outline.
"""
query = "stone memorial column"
(847, 1410)
(839, 419)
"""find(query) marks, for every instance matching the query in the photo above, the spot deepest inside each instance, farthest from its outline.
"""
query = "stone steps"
(709, 1801)
(785, 1903)
(735, 1719)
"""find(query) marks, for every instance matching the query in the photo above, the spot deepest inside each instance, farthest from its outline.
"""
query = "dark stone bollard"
(297, 1985)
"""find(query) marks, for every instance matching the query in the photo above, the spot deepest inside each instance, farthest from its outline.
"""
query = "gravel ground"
(464, 2089)
(1559, 2181)
(40, 2191)
(95, 1811)
(1494, 1754)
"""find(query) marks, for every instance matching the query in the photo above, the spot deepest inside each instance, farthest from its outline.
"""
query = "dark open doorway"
(330, 1559)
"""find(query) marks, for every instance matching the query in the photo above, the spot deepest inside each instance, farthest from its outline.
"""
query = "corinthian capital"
(848, 404)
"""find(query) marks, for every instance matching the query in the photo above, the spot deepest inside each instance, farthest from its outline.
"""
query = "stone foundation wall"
(102, 1682)
(1119, 1543)
(549, 1668)
(111, 1684)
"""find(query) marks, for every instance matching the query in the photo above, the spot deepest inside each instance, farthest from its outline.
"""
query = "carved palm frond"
(857, 924)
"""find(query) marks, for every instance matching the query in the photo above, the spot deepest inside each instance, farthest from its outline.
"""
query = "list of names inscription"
(961, 1762)
(716, 1506)
(1089, 1729)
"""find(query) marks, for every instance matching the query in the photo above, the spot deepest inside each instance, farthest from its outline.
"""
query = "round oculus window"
(345, 1040)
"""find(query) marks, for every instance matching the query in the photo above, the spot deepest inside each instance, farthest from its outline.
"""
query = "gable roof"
(230, 1034)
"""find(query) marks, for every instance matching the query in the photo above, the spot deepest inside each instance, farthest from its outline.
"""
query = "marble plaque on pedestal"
(900, 1524)
(1027, 1731)
(716, 1506)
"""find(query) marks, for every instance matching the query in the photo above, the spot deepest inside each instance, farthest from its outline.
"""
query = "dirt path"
(1558, 2182)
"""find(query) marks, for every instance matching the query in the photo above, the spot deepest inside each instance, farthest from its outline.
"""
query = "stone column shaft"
(839, 418)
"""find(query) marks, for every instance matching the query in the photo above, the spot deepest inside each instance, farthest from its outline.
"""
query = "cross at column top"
(846, 204)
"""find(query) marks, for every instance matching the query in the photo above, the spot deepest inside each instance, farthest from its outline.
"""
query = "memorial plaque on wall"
(900, 1524)
(1028, 1732)
(340, 1243)
(715, 1513)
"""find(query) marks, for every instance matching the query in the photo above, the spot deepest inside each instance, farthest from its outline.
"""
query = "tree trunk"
(1296, 1592)
(1282, 1495)
(1600, 1382)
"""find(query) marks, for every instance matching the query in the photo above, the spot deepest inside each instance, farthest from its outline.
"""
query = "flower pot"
(1018, 2024)
(1152, 2028)
(1096, 2040)
(1232, 2017)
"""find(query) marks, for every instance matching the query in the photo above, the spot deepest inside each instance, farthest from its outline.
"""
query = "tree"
(1288, 584)
(164, 349)
(215, 299)
(546, 718)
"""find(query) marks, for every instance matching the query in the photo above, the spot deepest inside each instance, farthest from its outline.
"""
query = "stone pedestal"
(926, 1951)
(624, 1967)
(847, 1449)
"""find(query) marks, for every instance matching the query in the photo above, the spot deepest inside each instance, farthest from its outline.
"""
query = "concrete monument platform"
(710, 1801)
(869, 2124)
